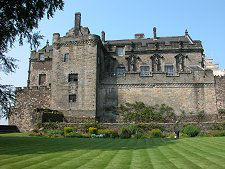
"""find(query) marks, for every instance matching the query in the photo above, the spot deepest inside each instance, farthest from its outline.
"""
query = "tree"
(18, 20)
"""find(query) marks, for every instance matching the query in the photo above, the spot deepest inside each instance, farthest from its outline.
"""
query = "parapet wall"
(27, 100)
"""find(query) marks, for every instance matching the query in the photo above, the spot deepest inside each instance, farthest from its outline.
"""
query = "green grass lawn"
(21, 151)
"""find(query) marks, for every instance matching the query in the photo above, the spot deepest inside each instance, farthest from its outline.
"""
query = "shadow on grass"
(20, 145)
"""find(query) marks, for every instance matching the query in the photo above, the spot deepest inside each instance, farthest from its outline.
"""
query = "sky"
(121, 19)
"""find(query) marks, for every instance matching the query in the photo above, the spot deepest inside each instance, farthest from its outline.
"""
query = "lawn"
(21, 151)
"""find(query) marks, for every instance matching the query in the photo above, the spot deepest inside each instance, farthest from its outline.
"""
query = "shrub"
(155, 133)
(53, 133)
(85, 135)
(73, 134)
(138, 112)
(218, 126)
(216, 133)
(124, 133)
(92, 130)
(169, 135)
(68, 130)
(190, 130)
(221, 112)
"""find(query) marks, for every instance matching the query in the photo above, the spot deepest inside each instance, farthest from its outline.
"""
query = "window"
(72, 98)
(42, 79)
(41, 56)
(169, 70)
(73, 77)
(120, 51)
(66, 57)
(145, 70)
(120, 71)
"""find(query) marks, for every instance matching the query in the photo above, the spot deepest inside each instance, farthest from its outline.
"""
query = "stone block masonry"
(85, 77)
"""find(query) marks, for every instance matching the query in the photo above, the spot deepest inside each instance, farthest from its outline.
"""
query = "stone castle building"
(85, 76)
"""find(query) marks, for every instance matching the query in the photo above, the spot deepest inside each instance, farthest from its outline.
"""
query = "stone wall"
(27, 100)
(189, 92)
(220, 91)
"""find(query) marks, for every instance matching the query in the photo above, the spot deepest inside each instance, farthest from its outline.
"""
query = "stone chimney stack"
(77, 20)
(103, 36)
(154, 33)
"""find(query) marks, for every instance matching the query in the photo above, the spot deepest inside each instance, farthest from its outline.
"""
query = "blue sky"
(121, 19)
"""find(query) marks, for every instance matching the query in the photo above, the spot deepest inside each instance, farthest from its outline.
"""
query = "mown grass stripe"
(75, 153)
(123, 158)
(76, 162)
(157, 158)
(197, 157)
(212, 156)
(104, 159)
(178, 159)
(28, 156)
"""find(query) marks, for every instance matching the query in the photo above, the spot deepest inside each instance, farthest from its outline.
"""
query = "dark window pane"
(120, 71)
(66, 57)
(73, 77)
(72, 98)
(145, 70)
(41, 57)
(169, 70)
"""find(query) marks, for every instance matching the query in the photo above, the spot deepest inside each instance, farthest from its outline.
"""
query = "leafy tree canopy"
(18, 19)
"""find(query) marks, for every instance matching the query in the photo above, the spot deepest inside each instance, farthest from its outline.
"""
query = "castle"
(85, 76)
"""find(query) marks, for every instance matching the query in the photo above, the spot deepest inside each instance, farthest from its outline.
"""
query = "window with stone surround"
(66, 57)
(120, 51)
(145, 71)
(42, 79)
(41, 56)
(169, 70)
(72, 98)
(120, 71)
(73, 77)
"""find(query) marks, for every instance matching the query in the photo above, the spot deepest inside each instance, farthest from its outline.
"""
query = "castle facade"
(85, 76)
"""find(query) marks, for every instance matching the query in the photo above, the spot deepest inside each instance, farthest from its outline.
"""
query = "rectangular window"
(120, 51)
(169, 70)
(42, 79)
(120, 71)
(145, 70)
(72, 98)
(41, 56)
(66, 57)
(73, 77)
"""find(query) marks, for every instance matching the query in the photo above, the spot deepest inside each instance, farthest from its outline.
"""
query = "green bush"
(92, 130)
(221, 112)
(53, 133)
(73, 134)
(216, 133)
(68, 130)
(190, 130)
(124, 133)
(155, 133)
(105, 132)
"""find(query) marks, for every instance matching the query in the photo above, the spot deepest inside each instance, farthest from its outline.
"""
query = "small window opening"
(72, 98)
(41, 57)
(169, 70)
(73, 77)
(42, 79)
(120, 71)
(120, 51)
(66, 57)
(145, 70)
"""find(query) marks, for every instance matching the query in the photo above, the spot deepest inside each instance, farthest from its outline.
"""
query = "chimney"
(186, 32)
(154, 33)
(77, 20)
(103, 36)
(139, 36)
